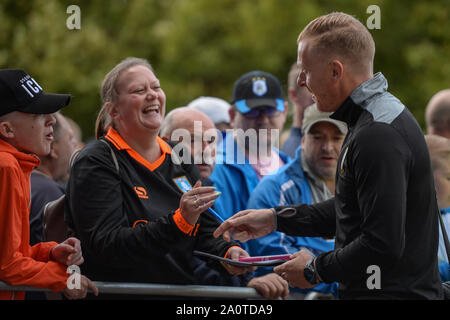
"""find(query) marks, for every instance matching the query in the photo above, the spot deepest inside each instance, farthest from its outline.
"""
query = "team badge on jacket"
(259, 86)
(182, 183)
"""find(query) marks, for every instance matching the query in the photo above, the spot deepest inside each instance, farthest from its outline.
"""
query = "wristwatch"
(310, 272)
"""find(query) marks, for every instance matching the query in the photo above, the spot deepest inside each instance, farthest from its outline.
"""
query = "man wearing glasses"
(247, 152)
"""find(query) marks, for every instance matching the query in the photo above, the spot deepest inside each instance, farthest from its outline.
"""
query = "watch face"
(308, 273)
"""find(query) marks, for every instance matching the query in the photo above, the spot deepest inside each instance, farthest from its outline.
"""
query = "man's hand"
(292, 270)
(270, 286)
(85, 285)
(234, 253)
(68, 252)
(246, 225)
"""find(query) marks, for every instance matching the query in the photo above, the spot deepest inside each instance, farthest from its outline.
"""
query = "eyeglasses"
(256, 113)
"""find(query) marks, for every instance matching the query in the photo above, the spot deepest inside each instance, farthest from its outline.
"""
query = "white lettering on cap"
(32, 85)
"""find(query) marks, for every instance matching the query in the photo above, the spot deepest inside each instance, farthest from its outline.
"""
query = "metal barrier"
(158, 289)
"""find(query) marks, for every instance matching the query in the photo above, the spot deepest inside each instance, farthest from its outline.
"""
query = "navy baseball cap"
(257, 89)
(20, 92)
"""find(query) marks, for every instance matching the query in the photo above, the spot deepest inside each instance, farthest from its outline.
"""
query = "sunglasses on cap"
(272, 109)
(256, 113)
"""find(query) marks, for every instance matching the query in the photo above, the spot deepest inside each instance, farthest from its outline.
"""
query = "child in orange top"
(26, 131)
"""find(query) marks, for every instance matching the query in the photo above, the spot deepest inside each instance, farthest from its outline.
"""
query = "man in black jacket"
(384, 211)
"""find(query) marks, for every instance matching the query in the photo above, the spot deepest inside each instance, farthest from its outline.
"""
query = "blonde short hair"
(341, 35)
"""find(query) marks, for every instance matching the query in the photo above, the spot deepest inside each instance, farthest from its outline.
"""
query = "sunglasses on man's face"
(256, 113)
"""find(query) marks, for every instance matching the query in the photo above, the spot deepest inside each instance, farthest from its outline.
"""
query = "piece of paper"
(268, 263)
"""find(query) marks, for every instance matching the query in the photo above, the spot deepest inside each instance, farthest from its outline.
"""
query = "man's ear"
(6, 130)
(337, 69)
(302, 143)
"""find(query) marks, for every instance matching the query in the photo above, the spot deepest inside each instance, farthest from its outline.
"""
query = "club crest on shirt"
(259, 86)
(182, 183)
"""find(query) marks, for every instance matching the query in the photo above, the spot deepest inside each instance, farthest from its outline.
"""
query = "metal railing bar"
(158, 289)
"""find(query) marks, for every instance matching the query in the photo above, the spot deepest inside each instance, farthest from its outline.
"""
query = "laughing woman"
(123, 199)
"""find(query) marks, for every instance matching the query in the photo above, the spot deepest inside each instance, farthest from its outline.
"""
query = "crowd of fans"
(137, 198)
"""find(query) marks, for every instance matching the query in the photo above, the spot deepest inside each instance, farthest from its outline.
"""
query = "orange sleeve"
(181, 223)
(41, 251)
(21, 264)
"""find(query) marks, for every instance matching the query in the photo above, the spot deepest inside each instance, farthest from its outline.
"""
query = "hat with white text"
(20, 92)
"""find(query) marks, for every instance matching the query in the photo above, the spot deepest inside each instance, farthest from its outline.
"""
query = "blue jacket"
(444, 271)
(444, 268)
(234, 176)
(285, 187)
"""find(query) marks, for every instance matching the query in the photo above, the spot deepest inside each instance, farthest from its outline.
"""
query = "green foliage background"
(200, 47)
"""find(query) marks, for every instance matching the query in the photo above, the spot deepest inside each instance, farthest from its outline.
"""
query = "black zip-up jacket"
(384, 210)
(128, 222)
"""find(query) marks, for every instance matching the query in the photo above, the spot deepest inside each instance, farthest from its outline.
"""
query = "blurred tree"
(200, 47)
(35, 37)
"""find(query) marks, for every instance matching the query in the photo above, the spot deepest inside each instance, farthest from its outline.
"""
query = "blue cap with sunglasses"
(257, 89)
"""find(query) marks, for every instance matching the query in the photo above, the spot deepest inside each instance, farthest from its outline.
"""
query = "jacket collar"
(294, 167)
(114, 137)
(352, 107)
(25, 160)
